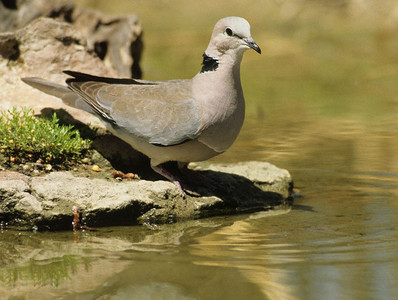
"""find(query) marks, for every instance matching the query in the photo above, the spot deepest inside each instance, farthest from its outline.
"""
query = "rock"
(47, 202)
(266, 176)
(16, 14)
(115, 39)
(44, 48)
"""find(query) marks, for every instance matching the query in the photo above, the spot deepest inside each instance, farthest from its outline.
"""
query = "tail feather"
(60, 91)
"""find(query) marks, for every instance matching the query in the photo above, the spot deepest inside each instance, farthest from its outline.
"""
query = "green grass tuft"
(25, 137)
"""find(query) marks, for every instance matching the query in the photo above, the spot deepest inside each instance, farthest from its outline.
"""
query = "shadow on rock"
(238, 193)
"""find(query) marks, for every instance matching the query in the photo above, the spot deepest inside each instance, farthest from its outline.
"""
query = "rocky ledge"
(55, 201)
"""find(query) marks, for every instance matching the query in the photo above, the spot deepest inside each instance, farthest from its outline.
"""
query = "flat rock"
(46, 202)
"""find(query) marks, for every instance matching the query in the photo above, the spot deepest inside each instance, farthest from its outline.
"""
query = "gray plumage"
(178, 120)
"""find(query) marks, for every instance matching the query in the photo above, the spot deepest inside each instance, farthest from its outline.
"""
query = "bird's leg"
(162, 171)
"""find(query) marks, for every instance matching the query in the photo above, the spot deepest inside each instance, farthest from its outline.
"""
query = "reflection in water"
(354, 256)
(42, 273)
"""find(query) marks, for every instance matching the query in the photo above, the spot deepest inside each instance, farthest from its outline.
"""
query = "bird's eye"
(228, 31)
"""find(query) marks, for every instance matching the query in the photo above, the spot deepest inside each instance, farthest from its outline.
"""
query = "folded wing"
(162, 113)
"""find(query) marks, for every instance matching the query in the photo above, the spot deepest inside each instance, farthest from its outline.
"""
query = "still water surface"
(322, 103)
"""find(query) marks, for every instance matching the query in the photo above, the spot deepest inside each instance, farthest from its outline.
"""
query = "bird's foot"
(183, 191)
(179, 187)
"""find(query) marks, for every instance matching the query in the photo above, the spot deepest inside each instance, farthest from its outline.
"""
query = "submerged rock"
(47, 202)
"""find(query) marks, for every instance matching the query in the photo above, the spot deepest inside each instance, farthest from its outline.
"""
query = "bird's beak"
(252, 44)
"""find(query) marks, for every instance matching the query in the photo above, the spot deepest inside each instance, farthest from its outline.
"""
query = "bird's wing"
(163, 113)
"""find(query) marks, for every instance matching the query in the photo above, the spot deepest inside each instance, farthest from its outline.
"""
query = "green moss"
(24, 137)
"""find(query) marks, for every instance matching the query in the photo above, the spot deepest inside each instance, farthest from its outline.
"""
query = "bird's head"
(231, 34)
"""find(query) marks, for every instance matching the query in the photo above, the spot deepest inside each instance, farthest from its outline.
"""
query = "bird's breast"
(221, 108)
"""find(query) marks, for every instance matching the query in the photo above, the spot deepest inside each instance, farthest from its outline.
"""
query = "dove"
(183, 120)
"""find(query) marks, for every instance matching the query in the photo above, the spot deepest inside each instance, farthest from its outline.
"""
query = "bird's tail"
(59, 91)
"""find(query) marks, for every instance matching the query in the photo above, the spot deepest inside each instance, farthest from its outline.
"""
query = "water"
(322, 103)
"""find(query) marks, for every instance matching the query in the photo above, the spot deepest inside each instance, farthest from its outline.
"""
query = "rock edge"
(45, 203)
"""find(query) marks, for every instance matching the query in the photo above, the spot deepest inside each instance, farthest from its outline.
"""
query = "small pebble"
(96, 168)
(121, 175)
(49, 167)
(130, 176)
(25, 167)
(86, 160)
